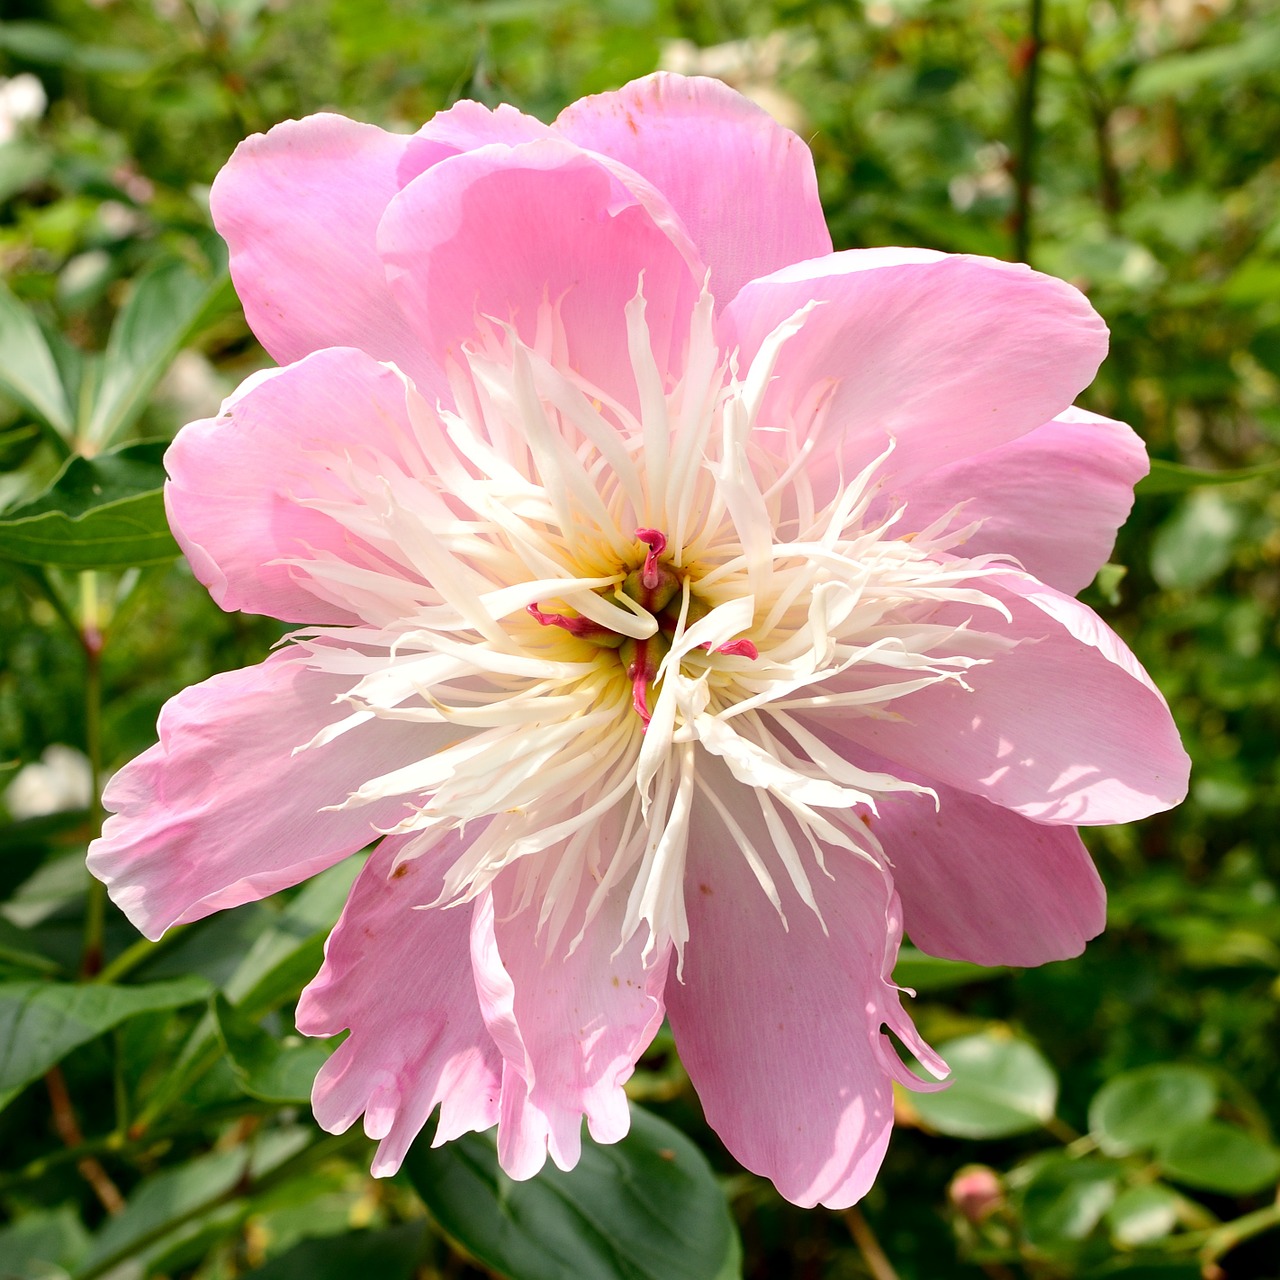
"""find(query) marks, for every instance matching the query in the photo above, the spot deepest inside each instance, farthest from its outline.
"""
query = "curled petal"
(946, 356)
(239, 483)
(984, 884)
(399, 979)
(780, 1026)
(742, 184)
(514, 234)
(570, 1025)
(226, 808)
(1065, 727)
(298, 207)
(1054, 498)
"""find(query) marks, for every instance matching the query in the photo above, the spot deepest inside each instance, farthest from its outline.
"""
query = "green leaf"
(43, 42)
(1224, 64)
(28, 371)
(168, 1200)
(1196, 543)
(1065, 1199)
(1173, 477)
(394, 1254)
(998, 1086)
(1135, 1110)
(1214, 1156)
(646, 1208)
(37, 1246)
(99, 513)
(40, 1023)
(1143, 1214)
(922, 972)
(288, 954)
(263, 1067)
(167, 307)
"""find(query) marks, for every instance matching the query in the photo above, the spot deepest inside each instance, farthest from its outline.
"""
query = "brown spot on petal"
(705, 888)
(401, 870)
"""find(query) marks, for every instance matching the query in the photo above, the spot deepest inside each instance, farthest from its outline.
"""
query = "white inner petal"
(528, 496)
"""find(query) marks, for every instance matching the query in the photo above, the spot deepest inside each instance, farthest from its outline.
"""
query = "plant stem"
(1028, 136)
(1225, 1238)
(68, 1127)
(872, 1254)
(91, 642)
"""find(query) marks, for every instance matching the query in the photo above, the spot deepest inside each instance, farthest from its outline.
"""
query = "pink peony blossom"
(688, 606)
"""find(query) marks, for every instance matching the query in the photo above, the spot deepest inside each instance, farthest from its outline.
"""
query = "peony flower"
(687, 609)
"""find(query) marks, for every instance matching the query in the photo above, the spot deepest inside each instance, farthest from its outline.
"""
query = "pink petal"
(298, 207)
(221, 811)
(1053, 498)
(743, 185)
(982, 884)
(236, 481)
(570, 1027)
(1066, 727)
(780, 1027)
(946, 356)
(400, 979)
(499, 232)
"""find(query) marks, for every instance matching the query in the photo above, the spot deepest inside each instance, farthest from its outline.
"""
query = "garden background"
(1113, 1115)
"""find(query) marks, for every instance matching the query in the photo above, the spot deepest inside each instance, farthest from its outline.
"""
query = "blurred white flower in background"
(22, 98)
(58, 781)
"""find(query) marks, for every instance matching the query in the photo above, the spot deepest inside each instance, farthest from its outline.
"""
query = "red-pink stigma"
(650, 575)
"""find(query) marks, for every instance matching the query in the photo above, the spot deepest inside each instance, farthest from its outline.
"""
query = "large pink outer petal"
(237, 481)
(779, 1026)
(946, 356)
(570, 1027)
(983, 884)
(1065, 727)
(400, 979)
(221, 811)
(1053, 498)
(498, 232)
(298, 207)
(742, 184)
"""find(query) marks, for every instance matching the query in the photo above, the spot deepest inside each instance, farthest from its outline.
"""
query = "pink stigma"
(574, 626)
(740, 649)
(650, 575)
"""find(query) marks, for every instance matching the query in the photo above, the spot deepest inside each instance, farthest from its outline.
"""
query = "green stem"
(1225, 1238)
(91, 641)
(137, 953)
(1028, 136)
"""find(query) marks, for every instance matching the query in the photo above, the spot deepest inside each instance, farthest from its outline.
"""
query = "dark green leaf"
(1214, 1156)
(42, 42)
(168, 1200)
(1173, 477)
(646, 1208)
(1065, 1199)
(922, 972)
(1196, 543)
(264, 1067)
(28, 371)
(1133, 1111)
(1143, 1214)
(41, 1022)
(393, 1254)
(39, 1245)
(99, 513)
(167, 307)
(998, 1086)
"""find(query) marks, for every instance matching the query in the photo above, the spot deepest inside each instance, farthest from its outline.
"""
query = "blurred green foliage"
(1114, 1115)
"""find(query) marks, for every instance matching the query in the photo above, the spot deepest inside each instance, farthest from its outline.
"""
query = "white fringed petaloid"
(530, 493)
